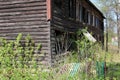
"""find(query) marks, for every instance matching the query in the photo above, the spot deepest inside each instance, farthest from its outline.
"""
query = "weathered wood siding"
(62, 22)
(98, 31)
(26, 17)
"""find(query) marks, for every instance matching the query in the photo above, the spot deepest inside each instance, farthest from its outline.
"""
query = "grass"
(113, 71)
(113, 63)
(87, 65)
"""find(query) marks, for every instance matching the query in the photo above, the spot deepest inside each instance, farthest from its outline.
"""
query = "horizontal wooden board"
(26, 17)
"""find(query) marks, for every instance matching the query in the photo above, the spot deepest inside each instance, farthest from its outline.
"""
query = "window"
(80, 12)
(102, 25)
(97, 22)
(58, 3)
(83, 14)
(72, 8)
(91, 19)
(58, 6)
(86, 15)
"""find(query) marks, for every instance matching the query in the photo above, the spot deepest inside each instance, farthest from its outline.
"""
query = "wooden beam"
(48, 10)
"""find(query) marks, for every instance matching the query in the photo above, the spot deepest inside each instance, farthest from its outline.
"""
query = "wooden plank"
(5, 2)
(24, 30)
(23, 9)
(23, 16)
(9, 6)
(23, 23)
(26, 17)
(18, 13)
(22, 19)
(48, 2)
(6, 27)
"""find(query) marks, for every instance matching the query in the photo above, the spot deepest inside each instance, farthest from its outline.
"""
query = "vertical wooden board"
(48, 2)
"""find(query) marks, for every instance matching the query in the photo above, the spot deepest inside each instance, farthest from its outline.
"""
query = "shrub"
(15, 58)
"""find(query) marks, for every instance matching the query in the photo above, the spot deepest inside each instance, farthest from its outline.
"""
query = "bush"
(15, 58)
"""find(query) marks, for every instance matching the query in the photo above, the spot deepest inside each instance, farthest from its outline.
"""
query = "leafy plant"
(15, 58)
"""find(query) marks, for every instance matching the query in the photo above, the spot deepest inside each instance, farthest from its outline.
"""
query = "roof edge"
(95, 8)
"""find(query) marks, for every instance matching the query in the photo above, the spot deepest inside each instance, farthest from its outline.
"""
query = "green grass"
(113, 71)
(113, 63)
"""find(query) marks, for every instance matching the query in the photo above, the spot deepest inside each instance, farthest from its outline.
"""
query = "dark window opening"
(86, 15)
(58, 3)
(72, 8)
(83, 14)
(97, 22)
(58, 6)
(91, 19)
(80, 11)
(101, 25)
(94, 21)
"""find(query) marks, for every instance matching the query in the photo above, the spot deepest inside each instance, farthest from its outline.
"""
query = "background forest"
(111, 10)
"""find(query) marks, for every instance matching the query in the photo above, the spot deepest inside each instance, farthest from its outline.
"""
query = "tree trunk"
(118, 27)
(106, 34)
(118, 34)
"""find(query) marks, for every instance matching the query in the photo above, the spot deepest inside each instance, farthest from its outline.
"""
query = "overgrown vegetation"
(17, 62)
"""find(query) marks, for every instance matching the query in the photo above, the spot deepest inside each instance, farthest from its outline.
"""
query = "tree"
(116, 9)
(111, 9)
(105, 7)
(117, 12)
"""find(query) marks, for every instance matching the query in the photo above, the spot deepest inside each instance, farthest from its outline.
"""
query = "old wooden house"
(50, 22)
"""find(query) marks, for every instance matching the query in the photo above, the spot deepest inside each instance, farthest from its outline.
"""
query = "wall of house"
(62, 24)
(97, 26)
(64, 21)
(91, 11)
(26, 17)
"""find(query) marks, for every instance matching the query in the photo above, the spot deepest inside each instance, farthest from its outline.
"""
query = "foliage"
(89, 53)
(111, 11)
(16, 60)
(17, 56)
(84, 46)
(87, 56)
